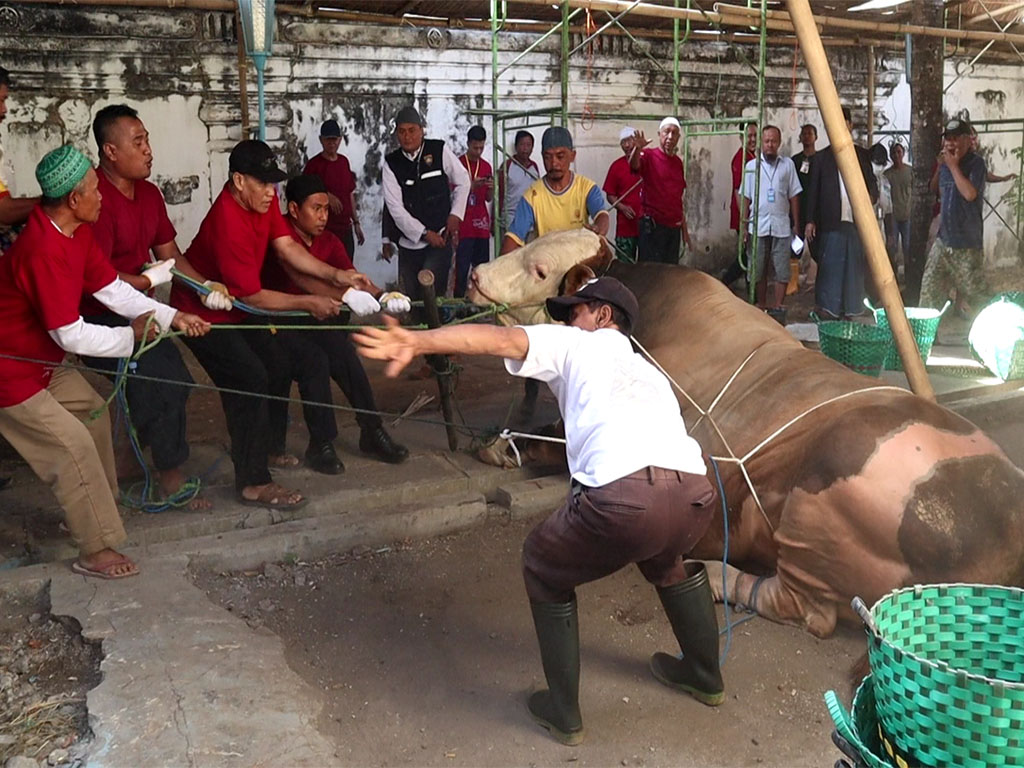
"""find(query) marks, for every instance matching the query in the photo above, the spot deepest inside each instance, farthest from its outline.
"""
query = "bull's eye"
(540, 271)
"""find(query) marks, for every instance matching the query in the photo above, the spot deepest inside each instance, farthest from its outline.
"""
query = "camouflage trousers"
(948, 268)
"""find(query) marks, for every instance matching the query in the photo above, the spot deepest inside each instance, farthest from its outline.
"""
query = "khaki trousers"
(71, 453)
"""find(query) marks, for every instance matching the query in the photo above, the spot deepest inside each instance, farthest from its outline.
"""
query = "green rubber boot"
(558, 707)
(691, 611)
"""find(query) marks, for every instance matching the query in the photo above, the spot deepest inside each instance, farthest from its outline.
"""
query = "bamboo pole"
(863, 211)
(826, 22)
(440, 364)
(243, 91)
(871, 95)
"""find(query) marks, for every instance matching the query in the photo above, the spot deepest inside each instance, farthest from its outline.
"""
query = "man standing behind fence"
(425, 190)
(624, 188)
(664, 221)
(475, 235)
(337, 174)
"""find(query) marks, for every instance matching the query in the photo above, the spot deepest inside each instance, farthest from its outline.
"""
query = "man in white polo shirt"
(778, 216)
(639, 493)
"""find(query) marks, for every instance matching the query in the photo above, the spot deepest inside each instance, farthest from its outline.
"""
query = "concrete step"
(526, 498)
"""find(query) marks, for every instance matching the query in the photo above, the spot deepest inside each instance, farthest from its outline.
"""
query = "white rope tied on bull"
(732, 458)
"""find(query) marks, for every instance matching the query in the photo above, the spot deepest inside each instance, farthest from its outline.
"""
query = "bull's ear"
(575, 279)
(586, 270)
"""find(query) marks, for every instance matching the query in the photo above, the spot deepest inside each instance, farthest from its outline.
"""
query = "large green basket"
(859, 728)
(859, 347)
(948, 667)
(924, 322)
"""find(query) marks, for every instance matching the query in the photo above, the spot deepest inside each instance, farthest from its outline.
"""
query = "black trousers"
(307, 364)
(471, 252)
(234, 359)
(347, 371)
(658, 243)
(349, 241)
(157, 407)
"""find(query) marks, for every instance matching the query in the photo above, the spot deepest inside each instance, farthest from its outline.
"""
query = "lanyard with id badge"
(771, 180)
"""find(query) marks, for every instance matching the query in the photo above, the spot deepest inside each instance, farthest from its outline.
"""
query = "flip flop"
(104, 571)
(267, 500)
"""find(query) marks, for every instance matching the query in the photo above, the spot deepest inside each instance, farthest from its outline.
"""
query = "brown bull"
(856, 488)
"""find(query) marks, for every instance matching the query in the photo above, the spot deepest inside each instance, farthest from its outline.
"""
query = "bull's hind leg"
(773, 598)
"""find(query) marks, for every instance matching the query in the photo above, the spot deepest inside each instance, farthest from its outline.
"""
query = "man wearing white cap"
(664, 221)
(623, 187)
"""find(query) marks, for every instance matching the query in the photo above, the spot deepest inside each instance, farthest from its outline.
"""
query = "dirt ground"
(424, 653)
(46, 668)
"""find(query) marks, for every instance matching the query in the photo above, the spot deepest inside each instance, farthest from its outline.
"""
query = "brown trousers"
(72, 454)
(652, 517)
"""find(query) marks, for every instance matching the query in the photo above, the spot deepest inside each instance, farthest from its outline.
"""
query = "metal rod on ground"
(440, 363)
(863, 211)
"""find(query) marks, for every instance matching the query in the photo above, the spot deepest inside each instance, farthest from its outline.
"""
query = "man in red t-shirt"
(308, 207)
(664, 221)
(337, 174)
(232, 242)
(48, 413)
(133, 224)
(475, 232)
(624, 188)
(739, 161)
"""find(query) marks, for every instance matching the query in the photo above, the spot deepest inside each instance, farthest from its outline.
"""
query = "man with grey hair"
(425, 192)
(664, 221)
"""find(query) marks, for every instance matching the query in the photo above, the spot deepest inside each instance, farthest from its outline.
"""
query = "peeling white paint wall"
(179, 69)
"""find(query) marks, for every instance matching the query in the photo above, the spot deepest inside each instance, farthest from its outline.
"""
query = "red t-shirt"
(327, 247)
(42, 278)
(477, 222)
(620, 178)
(127, 230)
(229, 248)
(739, 162)
(340, 182)
(663, 187)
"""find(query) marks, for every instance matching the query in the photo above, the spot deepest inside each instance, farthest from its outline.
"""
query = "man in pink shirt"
(475, 232)
(664, 223)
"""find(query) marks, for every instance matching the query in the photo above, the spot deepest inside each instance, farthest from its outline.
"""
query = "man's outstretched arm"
(399, 346)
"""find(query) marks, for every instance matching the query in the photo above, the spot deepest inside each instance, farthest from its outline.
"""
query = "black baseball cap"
(606, 289)
(330, 129)
(957, 127)
(254, 158)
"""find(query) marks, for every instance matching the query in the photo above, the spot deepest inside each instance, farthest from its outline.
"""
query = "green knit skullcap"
(60, 171)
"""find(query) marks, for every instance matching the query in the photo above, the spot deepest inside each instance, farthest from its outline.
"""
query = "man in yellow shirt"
(561, 199)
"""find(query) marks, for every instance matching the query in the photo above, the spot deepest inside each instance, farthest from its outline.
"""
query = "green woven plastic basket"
(924, 322)
(859, 347)
(859, 728)
(948, 667)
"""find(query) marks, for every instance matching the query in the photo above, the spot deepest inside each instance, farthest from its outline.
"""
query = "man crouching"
(639, 491)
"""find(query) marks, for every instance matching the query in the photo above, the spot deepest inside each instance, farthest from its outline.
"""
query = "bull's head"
(557, 263)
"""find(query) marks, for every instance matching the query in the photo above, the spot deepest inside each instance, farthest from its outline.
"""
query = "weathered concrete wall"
(179, 69)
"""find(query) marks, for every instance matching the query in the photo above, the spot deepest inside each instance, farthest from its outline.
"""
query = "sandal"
(273, 496)
(106, 571)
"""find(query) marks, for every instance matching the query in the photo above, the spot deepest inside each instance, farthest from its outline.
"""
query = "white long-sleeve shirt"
(412, 228)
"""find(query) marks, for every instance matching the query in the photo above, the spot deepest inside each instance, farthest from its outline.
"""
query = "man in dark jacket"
(425, 191)
(839, 289)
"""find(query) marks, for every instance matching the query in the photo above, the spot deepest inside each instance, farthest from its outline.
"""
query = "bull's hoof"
(495, 453)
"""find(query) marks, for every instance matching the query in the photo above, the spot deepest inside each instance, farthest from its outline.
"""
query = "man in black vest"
(425, 191)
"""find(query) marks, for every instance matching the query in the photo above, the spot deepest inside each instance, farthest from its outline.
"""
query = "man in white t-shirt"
(639, 494)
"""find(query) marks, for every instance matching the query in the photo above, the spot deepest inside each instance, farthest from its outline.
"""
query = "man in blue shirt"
(956, 260)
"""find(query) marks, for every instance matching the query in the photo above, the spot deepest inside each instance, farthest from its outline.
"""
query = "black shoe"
(377, 442)
(558, 707)
(691, 612)
(324, 460)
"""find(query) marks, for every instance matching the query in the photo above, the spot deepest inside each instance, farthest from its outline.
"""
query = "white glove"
(218, 298)
(360, 302)
(159, 273)
(395, 303)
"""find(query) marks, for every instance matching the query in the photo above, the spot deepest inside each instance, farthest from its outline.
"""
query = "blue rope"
(729, 623)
